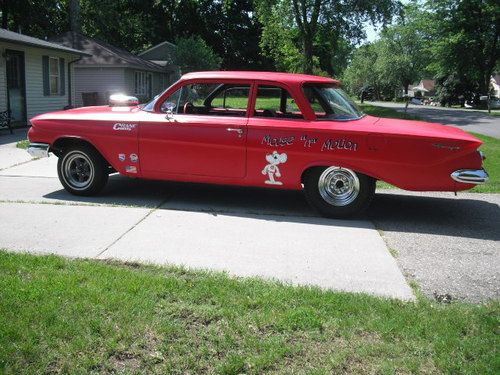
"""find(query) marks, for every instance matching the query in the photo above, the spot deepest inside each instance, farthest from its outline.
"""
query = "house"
(495, 85)
(426, 88)
(35, 76)
(112, 70)
(162, 54)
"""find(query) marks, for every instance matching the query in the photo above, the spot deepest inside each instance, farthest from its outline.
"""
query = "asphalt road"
(465, 119)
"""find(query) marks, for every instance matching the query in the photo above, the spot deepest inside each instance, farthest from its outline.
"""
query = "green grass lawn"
(80, 316)
(377, 111)
(491, 148)
(23, 144)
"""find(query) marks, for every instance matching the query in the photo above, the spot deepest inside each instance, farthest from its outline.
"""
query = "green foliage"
(80, 316)
(463, 45)
(23, 144)
(396, 60)
(230, 28)
(192, 54)
(317, 35)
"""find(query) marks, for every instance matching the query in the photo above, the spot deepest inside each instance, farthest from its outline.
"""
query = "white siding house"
(111, 70)
(35, 76)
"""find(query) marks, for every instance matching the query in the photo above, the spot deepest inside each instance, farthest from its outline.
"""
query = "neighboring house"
(111, 70)
(35, 76)
(426, 87)
(495, 85)
(162, 54)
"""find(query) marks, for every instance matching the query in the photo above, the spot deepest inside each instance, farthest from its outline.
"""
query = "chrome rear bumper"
(471, 176)
(38, 150)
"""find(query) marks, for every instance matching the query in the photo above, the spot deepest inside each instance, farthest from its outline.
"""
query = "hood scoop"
(121, 100)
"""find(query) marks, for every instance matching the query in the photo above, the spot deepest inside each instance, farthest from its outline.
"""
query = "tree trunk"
(5, 14)
(74, 16)
(406, 84)
(308, 54)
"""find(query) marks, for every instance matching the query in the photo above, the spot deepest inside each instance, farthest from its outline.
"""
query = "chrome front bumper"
(38, 150)
(471, 176)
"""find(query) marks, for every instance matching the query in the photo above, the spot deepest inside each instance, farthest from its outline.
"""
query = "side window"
(273, 101)
(214, 99)
(232, 97)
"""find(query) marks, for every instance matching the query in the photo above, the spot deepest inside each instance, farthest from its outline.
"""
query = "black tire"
(82, 170)
(338, 192)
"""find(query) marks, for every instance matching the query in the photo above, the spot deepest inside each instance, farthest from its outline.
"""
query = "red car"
(275, 130)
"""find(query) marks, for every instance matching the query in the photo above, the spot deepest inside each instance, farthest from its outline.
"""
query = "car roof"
(260, 76)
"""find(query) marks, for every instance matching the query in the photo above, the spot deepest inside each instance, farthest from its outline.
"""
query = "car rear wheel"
(82, 170)
(338, 192)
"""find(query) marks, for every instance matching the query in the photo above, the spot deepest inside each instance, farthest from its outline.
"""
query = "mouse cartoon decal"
(272, 170)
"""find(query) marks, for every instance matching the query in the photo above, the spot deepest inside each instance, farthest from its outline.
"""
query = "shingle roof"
(103, 53)
(10, 36)
(428, 84)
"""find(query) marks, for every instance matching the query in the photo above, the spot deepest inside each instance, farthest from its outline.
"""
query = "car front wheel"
(338, 192)
(82, 170)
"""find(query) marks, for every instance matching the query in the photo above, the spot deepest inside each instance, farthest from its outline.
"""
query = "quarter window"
(54, 77)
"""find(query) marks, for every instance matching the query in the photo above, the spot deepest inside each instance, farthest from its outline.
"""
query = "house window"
(54, 77)
(142, 85)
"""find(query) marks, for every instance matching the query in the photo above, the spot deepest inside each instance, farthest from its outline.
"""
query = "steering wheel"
(188, 107)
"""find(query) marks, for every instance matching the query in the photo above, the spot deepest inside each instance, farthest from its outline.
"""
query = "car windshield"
(331, 103)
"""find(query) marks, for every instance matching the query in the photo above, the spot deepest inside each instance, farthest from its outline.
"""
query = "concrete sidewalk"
(245, 232)
(9, 154)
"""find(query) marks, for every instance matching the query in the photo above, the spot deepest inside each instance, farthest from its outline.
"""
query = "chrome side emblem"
(449, 147)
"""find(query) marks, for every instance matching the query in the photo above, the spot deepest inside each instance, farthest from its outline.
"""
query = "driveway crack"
(134, 226)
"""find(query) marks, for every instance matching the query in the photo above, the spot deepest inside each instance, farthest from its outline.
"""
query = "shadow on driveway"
(459, 217)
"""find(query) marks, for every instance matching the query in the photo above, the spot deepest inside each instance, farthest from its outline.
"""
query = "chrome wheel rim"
(78, 170)
(338, 186)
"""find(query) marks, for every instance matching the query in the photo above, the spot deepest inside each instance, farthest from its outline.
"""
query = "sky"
(371, 33)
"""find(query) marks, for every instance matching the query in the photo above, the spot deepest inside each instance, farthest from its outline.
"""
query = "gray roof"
(102, 53)
(12, 37)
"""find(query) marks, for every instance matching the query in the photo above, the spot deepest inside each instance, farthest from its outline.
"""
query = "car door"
(201, 135)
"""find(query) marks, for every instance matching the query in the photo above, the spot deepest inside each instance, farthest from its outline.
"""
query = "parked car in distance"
(274, 130)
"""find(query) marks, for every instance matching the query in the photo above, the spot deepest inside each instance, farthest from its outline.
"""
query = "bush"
(193, 54)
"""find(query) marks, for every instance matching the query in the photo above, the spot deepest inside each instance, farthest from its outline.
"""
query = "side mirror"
(169, 107)
(121, 100)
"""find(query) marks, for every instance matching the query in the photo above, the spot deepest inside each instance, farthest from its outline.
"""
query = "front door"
(204, 136)
(16, 86)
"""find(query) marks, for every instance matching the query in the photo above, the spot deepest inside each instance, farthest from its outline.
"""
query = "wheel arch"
(311, 167)
(61, 143)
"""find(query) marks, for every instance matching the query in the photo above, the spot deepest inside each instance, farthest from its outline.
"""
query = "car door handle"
(239, 131)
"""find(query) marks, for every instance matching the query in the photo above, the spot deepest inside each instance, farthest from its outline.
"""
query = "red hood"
(103, 112)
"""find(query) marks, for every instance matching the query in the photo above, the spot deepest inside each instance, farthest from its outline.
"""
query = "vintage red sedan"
(275, 130)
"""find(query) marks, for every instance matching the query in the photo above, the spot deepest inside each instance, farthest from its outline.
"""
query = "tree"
(401, 58)
(366, 72)
(193, 54)
(396, 60)
(463, 48)
(343, 18)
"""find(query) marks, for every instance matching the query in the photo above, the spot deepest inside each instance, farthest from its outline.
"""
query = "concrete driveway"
(245, 232)
(465, 119)
(447, 244)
